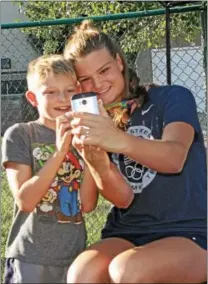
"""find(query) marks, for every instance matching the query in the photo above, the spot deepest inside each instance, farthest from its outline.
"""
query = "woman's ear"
(31, 98)
(119, 62)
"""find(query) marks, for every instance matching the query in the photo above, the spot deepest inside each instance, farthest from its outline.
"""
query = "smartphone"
(85, 102)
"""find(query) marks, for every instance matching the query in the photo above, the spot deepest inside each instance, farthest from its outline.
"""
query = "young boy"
(44, 175)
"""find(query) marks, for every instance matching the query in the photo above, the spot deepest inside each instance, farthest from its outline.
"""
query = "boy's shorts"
(17, 271)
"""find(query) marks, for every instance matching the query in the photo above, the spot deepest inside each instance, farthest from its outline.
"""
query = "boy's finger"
(76, 141)
(67, 135)
(60, 119)
(63, 123)
(69, 115)
(64, 127)
(75, 122)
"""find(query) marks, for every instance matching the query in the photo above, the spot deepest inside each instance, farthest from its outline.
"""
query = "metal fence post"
(167, 6)
(204, 37)
(168, 44)
(204, 45)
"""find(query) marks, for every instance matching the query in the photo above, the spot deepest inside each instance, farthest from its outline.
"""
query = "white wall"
(10, 12)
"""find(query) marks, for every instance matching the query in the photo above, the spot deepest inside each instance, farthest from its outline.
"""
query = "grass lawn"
(94, 220)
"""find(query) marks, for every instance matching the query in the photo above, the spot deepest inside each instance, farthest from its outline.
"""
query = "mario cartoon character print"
(61, 202)
(69, 174)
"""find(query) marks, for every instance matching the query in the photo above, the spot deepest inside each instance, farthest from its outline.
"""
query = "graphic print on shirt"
(62, 199)
(137, 175)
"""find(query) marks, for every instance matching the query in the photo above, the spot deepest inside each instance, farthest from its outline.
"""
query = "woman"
(155, 177)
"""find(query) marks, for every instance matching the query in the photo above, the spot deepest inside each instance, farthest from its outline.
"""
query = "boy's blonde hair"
(86, 39)
(42, 66)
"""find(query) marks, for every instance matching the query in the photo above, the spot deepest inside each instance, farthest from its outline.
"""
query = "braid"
(136, 90)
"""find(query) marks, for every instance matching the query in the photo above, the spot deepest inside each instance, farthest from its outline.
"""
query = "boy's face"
(52, 96)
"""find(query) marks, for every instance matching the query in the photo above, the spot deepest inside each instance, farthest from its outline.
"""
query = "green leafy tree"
(133, 34)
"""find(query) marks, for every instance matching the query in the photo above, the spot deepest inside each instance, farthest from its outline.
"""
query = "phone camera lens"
(84, 102)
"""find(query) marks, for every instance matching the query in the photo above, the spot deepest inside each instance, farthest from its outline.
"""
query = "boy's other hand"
(93, 156)
(63, 134)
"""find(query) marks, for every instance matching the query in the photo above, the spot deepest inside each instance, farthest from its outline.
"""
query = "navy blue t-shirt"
(163, 202)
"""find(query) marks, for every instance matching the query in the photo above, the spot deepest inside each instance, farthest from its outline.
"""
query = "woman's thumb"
(102, 110)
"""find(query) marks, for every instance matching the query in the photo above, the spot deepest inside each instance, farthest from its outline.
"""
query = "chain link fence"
(19, 46)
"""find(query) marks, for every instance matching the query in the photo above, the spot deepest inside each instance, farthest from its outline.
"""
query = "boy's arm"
(28, 190)
(88, 192)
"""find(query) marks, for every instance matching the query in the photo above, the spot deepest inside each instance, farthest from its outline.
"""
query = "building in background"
(16, 52)
(186, 70)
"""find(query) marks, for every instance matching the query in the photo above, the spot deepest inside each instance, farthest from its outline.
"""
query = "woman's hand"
(63, 134)
(97, 130)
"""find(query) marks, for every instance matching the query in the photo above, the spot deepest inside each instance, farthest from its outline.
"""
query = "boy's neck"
(47, 122)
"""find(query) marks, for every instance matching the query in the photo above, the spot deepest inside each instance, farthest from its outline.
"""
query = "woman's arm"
(167, 155)
(88, 192)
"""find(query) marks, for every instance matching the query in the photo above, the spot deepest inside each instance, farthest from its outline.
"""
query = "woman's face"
(100, 73)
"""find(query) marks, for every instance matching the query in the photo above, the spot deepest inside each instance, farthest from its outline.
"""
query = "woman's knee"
(89, 267)
(124, 270)
(155, 263)
(120, 271)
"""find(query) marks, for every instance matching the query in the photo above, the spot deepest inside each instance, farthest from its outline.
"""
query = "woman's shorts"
(199, 239)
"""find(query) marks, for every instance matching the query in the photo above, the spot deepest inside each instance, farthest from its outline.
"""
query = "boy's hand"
(63, 134)
(93, 156)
